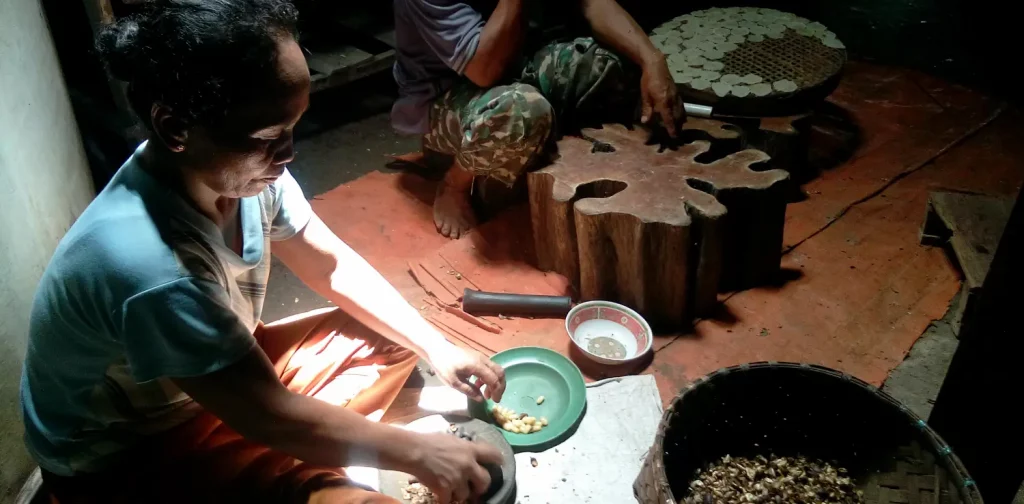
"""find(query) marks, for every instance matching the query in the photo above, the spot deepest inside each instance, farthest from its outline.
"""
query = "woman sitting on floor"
(149, 376)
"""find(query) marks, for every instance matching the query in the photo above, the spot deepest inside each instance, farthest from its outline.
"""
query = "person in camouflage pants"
(498, 132)
(476, 82)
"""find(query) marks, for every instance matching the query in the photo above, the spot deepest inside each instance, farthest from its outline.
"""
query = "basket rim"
(938, 446)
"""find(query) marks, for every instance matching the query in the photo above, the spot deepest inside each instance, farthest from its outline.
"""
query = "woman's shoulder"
(117, 247)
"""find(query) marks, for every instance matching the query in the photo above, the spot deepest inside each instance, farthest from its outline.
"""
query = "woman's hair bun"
(195, 56)
(118, 45)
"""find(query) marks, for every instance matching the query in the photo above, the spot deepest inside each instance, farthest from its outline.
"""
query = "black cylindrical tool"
(477, 302)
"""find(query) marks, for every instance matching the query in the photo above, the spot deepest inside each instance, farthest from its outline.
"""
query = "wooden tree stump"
(627, 223)
(783, 138)
(710, 129)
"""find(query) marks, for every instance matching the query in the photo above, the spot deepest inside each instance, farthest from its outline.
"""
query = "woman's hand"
(451, 467)
(456, 366)
(658, 95)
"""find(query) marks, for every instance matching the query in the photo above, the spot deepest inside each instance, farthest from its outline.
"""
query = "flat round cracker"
(833, 43)
(700, 84)
(696, 61)
(762, 89)
(721, 89)
(784, 86)
(714, 54)
(751, 79)
(731, 79)
(714, 65)
(710, 75)
(692, 52)
(740, 91)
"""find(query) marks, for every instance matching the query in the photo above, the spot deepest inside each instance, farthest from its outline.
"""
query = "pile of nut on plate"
(518, 423)
(776, 480)
(416, 493)
(747, 51)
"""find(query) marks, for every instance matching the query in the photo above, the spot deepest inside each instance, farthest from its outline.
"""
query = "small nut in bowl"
(608, 333)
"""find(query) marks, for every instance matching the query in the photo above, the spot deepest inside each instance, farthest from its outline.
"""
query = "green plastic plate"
(531, 372)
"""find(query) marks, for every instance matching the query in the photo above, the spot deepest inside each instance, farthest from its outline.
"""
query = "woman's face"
(249, 149)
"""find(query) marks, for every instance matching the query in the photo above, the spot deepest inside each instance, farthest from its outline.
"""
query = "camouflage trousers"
(502, 131)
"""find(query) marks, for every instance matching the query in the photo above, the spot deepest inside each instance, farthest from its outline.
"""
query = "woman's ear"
(169, 128)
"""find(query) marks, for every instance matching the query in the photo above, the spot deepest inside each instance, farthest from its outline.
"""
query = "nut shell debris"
(781, 480)
(416, 493)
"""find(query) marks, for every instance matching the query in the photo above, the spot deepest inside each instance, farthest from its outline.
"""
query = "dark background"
(974, 43)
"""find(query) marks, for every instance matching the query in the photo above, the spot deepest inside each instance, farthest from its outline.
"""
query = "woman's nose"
(286, 152)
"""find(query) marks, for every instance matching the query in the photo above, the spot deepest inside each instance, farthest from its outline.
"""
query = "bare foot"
(453, 215)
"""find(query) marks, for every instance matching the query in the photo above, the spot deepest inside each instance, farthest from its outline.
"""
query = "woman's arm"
(614, 27)
(249, 398)
(332, 269)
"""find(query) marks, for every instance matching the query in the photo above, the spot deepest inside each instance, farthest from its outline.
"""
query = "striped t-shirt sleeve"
(290, 212)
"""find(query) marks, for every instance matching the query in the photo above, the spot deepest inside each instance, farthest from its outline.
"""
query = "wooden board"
(985, 367)
(344, 64)
(656, 230)
(341, 48)
(971, 224)
(969, 227)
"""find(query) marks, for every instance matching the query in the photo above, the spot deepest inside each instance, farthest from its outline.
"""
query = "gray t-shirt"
(436, 39)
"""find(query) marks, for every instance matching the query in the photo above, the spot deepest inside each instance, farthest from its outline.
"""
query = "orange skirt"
(324, 354)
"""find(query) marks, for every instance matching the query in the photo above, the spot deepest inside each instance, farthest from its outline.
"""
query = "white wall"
(44, 185)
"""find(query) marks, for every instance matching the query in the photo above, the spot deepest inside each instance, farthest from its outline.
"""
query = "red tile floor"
(861, 288)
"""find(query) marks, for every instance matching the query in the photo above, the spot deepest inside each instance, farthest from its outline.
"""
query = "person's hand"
(452, 468)
(658, 95)
(456, 367)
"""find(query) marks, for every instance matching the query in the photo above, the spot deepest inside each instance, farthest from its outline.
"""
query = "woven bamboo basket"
(790, 409)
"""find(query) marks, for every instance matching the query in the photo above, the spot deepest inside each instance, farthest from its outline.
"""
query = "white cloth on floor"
(598, 464)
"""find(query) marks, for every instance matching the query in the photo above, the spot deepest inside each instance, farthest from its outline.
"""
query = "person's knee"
(536, 105)
(404, 358)
(529, 114)
(366, 498)
(348, 495)
(508, 129)
(370, 498)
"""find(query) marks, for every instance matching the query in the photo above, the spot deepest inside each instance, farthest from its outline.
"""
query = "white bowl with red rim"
(608, 332)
